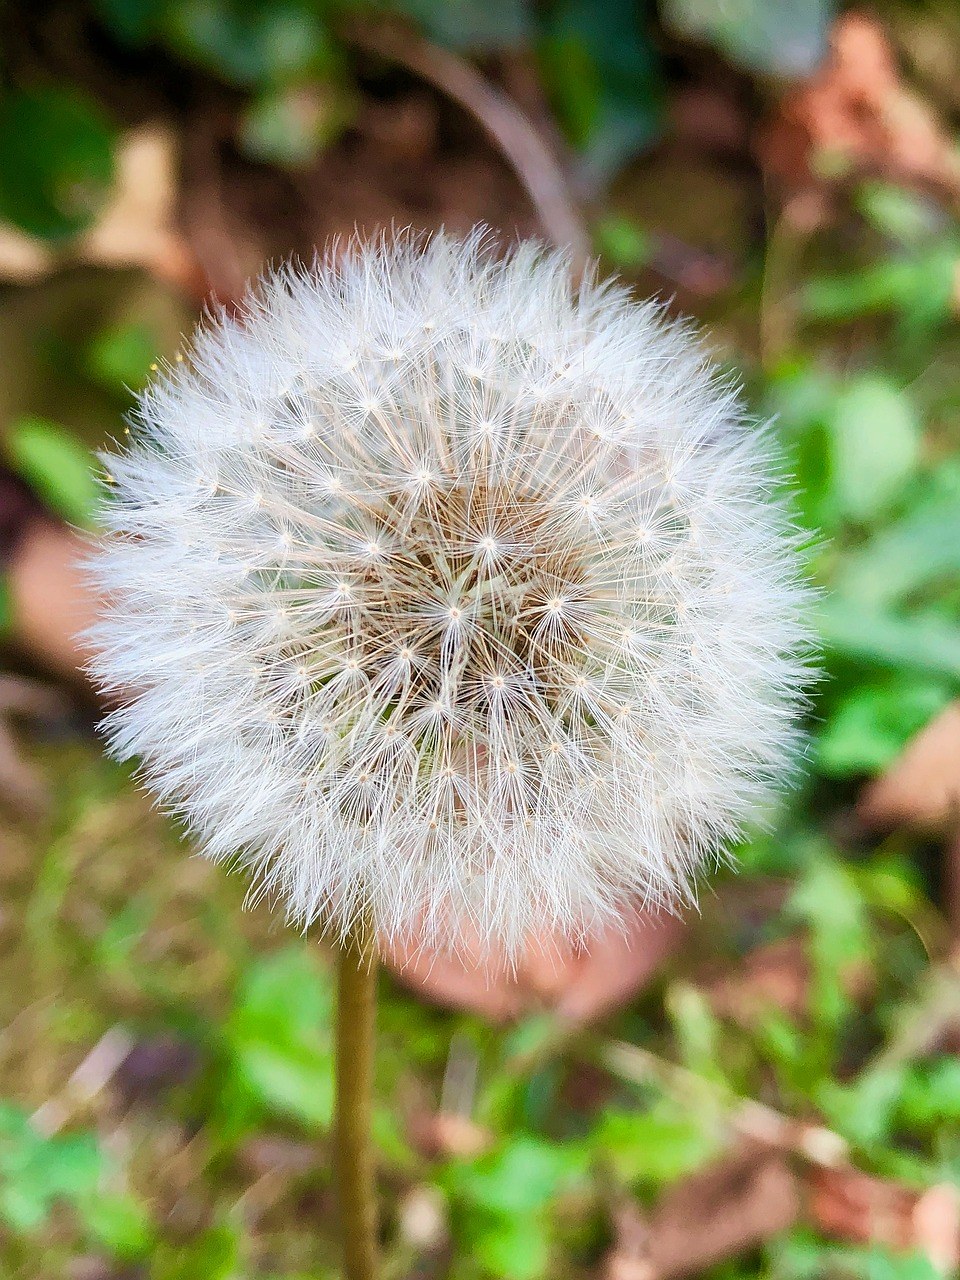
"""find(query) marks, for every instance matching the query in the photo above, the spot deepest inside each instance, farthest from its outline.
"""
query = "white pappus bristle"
(450, 596)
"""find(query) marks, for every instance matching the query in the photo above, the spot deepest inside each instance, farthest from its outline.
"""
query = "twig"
(531, 159)
(90, 1078)
(752, 1119)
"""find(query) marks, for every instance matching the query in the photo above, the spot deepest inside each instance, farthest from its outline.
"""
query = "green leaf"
(119, 358)
(472, 26)
(120, 1223)
(36, 1171)
(22, 1209)
(923, 643)
(863, 1111)
(784, 39)
(921, 548)
(657, 1146)
(287, 994)
(873, 723)
(875, 445)
(522, 1177)
(251, 45)
(291, 1079)
(931, 1096)
(278, 1036)
(785, 1045)
(56, 161)
(57, 465)
(290, 126)
(828, 900)
(604, 80)
(71, 1165)
(886, 286)
(918, 286)
(831, 904)
(623, 241)
(803, 1256)
(513, 1248)
(696, 1028)
(213, 1256)
(801, 396)
(906, 216)
(892, 882)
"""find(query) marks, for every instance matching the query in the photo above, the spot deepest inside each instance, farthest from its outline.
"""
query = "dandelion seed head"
(479, 622)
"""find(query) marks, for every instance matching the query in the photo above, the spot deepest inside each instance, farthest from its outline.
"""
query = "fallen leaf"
(922, 786)
(266, 1154)
(447, 1133)
(577, 985)
(774, 976)
(422, 1218)
(138, 226)
(856, 115)
(859, 1208)
(23, 258)
(51, 601)
(719, 1212)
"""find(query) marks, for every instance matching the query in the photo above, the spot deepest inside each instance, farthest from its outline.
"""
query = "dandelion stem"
(356, 1018)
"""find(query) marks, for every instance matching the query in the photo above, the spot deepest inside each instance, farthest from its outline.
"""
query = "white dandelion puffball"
(449, 595)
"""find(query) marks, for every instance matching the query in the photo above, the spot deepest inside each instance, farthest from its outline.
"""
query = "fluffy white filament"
(447, 595)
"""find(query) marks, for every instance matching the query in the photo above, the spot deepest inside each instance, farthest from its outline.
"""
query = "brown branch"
(535, 165)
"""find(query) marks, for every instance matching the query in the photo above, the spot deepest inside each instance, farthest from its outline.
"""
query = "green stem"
(356, 1175)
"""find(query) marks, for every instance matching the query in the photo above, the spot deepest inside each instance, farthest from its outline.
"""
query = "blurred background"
(770, 1088)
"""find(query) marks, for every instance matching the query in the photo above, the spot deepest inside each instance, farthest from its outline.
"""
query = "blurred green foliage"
(38, 1172)
(56, 160)
(276, 1050)
(57, 466)
(599, 58)
(786, 38)
(292, 65)
(532, 1201)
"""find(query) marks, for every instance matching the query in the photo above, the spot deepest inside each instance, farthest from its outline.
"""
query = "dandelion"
(453, 598)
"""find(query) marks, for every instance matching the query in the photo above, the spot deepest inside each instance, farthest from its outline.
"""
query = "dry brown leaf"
(576, 985)
(23, 259)
(857, 114)
(719, 1212)
(51, 601)
(450, 1134)
(266, 1154)
(751, 1195)
(774, 976)
(137, 228)
(922, 787)
(861, 1209)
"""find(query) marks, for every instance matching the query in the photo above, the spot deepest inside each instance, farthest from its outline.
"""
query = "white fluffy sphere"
(450, 596)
